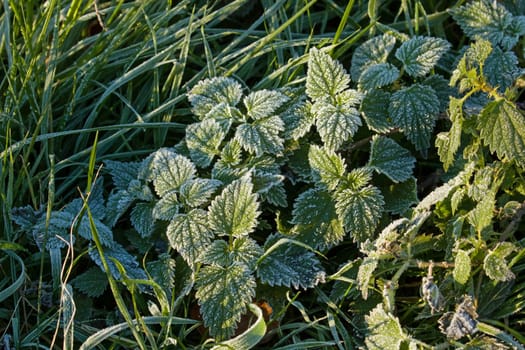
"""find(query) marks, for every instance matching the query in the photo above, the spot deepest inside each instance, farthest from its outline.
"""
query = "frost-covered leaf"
(231, 153)
(360, 211)
(142, 218)
(400, 197)
(442, 88)
(105, 234)
(502, 127)
(374, 109)
(196, 192)
(261, 136)
(462, 266)
(462, 322)
(481, 216)
(358, 178)
(170, 170)
(449, 142)
(217, 253)
(327, 166)
(316, 219)
(335, 124)
(389, 158)
(289, 265)
(190, 234)
(203, 140)
(162, 271)
(385, 332)
(92, 282)
(243, 250)
(269, 186)
(122, 173)
(372, 51)
(209, 93)
(431, 294)
(365, 274)
(414, 109)
(234, 212)
(264, 103)
(501, 69)
(126, 260)
(420, 54)
(298, 121)
(223, 294)
(378, 75)
(490, 20)
(495, 265)
(167, 207)
(326, 77)
(118, 203)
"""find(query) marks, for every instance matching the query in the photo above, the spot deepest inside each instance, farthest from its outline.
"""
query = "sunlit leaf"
(372, 51)
(420, 54)
(170, 170)
(384, 330)
(203, 140)
(326, 77)
(210, 92)
(327, 166)
(263, 103)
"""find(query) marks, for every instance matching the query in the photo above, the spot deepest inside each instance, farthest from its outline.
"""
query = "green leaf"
(203, 140)
(501, 69)
(142, 218)
(374, 109)
(196, 192)
(264, 103)
(234, 212)
(126, 260)
(223, 294)
(288, 265)
(372, 51)
(495, 265)
(298, 121)
(390, 159)
(481, 216)
(261, 136)
(92, 282)
(502, 128)
(326, 77)
(122, 173)
(243, 250)
(385, 332)
(190, 234)
(365, 274)
(449, 142)
(327, 166)
(490, 20)
(420, 54)
(414, 109)
(162, 271)
(209, 93)
(378, 75)
(335, 124)
(462, 266)
(269, 186)
(360, 211)
(400, 197)
(316, 219)
(170, 170)
(442, 88)
(167, 207)
(231, 154)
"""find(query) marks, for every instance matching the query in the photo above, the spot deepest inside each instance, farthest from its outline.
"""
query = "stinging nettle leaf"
(389, 158)
(495, 265)
(374, 109)
(365, 274)
(378, 75)
(420, 54)
(501, 69)
(414, 110)
(92, 282)
(360, 211)
(298, 121)
(170, 170)
(327, 166)
(336, 124)
(462, 266)
(261, 136)
(210, 92)
(203, 140)
(326, 77)
(400, 197)
(372, 51)
(449, 142)
(122, 173)
(264, 103)
(385, 332)
(142, 218)
(243, 250)
(234, 212)
(196, 192)
(502, 127)
(223, 294)
(126, 260)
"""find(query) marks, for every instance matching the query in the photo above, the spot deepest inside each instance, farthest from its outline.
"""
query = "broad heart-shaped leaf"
(327, 166)
(326, 77)
(244, 250)
(263, 103)
(122, 173)
(196, 192)
(420, 54)
(316, 220)
(92, 282)
(203, 140)
(414, 109)
(269, 185)
(374, 109)
(223, 294)
(360, 211)
(502, 128)
(490, 20)
(378, 75)
(142, 218)
(384, 330)
(234, 212)
(261, 135)
(389, 158)
(501, 69)
(448, 142)
(335, 124)
(462, 267)
(400, 197)
(210, 92)
(372, 51)
(117, 252)
(495, 265)
(170, 170)
(190, 234)
(298, 121)
(286, 264)
(167, 207)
